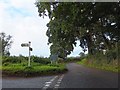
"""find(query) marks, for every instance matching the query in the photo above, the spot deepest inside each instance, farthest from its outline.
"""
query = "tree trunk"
(89, 43)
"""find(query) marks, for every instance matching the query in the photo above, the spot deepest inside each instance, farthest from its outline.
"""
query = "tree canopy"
(95, 24)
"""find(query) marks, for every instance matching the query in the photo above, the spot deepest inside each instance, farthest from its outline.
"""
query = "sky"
(20, 19)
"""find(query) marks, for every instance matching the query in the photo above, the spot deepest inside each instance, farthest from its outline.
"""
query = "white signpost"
(30, 49)
(25, 45)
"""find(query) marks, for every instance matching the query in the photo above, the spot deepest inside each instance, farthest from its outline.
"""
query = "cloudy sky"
(19, 18)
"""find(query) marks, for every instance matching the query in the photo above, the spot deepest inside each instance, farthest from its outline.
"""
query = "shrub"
(11, 59)
(40, 60)
(6, 64)
(19, 70)
(22, 59)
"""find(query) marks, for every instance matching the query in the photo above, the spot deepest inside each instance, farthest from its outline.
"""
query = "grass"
(17, 66)
(34, 70)
(108, 67)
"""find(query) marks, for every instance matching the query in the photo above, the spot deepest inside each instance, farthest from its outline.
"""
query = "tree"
(95, 25)
(5, 43)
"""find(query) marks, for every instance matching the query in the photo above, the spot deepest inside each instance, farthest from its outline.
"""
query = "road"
(78, 76)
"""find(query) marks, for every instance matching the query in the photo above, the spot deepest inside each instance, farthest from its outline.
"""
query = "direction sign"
(30, 49)
(25, 45)
(53, 57)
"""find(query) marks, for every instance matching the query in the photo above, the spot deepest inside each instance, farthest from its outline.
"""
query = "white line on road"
(47, 84)
(59, 81)
(56, 85)
(53, 79)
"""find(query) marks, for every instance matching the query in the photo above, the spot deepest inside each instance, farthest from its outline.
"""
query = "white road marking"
(52, 80)
(47, 84)
(59, 81)
(57, 85)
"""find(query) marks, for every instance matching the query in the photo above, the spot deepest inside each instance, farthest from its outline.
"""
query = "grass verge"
(103, 66)
(36, 70)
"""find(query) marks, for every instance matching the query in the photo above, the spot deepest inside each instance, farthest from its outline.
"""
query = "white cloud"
(24, 28)
(76, 50)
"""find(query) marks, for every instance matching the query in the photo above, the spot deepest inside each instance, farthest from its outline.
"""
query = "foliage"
(37, 70)
(11, 59)
(5, 43)
(18, 66)
(96, 25)
(100, 62)
(72, 59)
(83, 61)
(24, 60)
(40, 60)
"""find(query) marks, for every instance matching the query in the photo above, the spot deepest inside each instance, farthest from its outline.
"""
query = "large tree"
(6, 41)
(95, 25)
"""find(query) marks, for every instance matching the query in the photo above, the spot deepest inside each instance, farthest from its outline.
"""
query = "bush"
(73, 59)
(100, 65)
(40, 60)
(12, 59)
(6, 64)
(24, 60)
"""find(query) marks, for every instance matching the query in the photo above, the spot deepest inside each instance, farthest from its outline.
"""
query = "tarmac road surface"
(78, 76)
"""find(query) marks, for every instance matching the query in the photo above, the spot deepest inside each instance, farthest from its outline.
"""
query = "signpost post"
(29, 54)
(30, 49)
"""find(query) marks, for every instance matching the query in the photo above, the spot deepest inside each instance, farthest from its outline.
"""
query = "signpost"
(25, 45)
(30, 49)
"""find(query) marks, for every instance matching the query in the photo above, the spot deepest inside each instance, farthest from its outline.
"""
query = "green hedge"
(18, 70)
(6, 60)
(40, 60)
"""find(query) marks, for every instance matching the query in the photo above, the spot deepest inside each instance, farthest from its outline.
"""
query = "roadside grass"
(18, 66)
(35, 70)
(103, 66)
